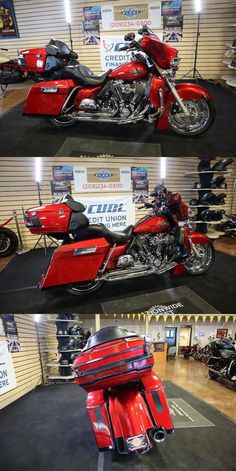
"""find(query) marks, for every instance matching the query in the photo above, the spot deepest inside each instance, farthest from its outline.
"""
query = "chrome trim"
(85, 250)
(108, 259)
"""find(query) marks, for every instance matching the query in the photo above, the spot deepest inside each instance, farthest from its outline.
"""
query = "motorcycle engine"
(153, 250)
(119, 100)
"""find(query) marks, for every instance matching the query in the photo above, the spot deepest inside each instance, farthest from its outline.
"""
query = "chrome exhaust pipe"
(159, 436)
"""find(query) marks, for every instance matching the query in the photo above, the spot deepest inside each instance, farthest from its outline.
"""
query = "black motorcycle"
(222, 360)
(229, 227)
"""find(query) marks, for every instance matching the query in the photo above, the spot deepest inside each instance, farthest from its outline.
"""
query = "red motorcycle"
(92, 254)
(10, 71)
(126, 402)
(141, 90)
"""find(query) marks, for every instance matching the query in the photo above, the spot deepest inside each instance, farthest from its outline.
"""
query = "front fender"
(199, 238)
(186, 91)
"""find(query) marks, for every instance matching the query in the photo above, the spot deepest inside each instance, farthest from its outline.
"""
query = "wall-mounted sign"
(140, 183)
(59, 189)
(7, 373)
(171, 8)
(123, 17)
(11, 332)
(62, 173)
(92, 179)
(8, 24)
(221, 333)
(115, 212)
(90, 24)
(173, 28)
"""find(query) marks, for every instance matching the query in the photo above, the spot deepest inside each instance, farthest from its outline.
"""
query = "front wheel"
(201, 259)
(8, 242)
(63, 121)
(85, 288)
(201, 117)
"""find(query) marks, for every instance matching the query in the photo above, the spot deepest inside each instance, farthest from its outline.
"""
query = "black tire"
(8, 242)
(63, 122)
(211, 246)
(209, 123)
(212, 375)
(85, 288)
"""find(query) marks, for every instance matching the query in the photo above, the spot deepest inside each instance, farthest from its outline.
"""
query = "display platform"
(179, 300)
(19, 291)
(49, 429)
(35, 136)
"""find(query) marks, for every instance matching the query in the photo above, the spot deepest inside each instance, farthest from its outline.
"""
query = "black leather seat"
(227, 354)
(75, 205)
(77, 74)
(94, 231)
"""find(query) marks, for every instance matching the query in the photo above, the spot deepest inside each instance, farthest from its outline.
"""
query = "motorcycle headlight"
(174, 63)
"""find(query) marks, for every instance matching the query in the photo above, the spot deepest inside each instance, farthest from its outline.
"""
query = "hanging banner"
(8, 24)
(90, 25)
(173, 28)
(92, 179)
(171, 8)
(123, 17)
(62, 173)
(7, 373)
(59, 189)
(140, 184)
(11, 332)
(115, 212)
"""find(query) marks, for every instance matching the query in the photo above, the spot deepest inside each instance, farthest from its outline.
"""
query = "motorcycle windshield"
(159, 51)
(107, 334)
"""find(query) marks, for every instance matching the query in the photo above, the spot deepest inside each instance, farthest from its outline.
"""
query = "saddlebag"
(98, 414)
(48, 98)
(157, 403)
(113, 363)
(75, 263)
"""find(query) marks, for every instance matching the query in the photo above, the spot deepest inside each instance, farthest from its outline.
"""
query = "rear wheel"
(63, 121)
(198, 263)
(8, 242)
(202, 115)
(87, 287)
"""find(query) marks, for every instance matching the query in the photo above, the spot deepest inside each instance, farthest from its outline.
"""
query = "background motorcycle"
(126, 403)
(222, 360)
(92, 254)
(229, 227)
(10, 71)
(8, 240)
(141, 90)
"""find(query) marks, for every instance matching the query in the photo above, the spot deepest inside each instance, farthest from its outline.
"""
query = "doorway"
(170, 336)
(185, 335)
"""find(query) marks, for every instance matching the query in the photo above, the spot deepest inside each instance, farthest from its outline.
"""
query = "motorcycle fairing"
(48, 98)
(129, 417)
(98, 413)
(76, 262)
(186, 91)
(156, 400)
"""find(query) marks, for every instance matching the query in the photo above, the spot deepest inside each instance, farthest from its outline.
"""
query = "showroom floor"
(35, 136)
(191, 375)
(49, 429)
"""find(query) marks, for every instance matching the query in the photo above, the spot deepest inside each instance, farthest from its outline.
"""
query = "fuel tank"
(134, 70)
(153, 224)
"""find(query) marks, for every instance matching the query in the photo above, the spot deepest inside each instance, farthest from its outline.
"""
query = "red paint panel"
(160, 52)
(32, 56)
(40, 103)
(199, 238)
(98, 414)
(65, 267)
(153, 224)
(157, 402)
(53, 218)
(134, 70)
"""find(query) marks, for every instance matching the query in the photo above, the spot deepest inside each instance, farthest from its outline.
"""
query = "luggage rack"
(61, 378)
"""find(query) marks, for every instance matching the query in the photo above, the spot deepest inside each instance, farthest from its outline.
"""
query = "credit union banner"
(7, 373)
(115, 212)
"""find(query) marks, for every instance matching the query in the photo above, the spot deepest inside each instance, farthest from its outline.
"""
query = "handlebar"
(132, 45)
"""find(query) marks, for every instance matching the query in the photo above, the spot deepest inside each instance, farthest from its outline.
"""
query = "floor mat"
(180, 300)
(49, 430)
(75, 146)
(19, 292)
(27, 136)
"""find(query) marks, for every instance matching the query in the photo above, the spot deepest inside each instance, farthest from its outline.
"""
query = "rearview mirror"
(129, 37)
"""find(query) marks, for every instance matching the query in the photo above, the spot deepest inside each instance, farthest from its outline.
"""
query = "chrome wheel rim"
(197, 264)
(199, 116)
(4, 243)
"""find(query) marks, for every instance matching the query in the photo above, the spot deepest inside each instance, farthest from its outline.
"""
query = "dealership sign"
(7, 373)
(115, 212)
(93, 179)
(123, 17)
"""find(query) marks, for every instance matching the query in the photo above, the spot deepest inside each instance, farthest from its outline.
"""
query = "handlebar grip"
(125, 48)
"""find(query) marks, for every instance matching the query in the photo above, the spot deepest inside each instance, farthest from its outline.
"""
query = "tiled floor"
(192, 376)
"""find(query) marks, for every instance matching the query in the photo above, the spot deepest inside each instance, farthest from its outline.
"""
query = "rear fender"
(186, 91)
(98, 414)
(75, 263)
(157, 402)
(129, 416)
